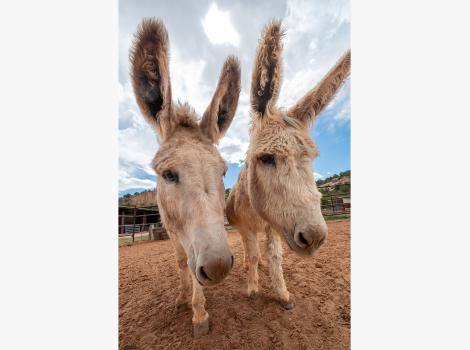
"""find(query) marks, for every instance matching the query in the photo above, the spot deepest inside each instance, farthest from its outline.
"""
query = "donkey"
(190, 190)
(276, 192)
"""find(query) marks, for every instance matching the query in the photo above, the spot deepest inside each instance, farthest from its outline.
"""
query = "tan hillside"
(333, 182)
(142, 199)
(149, 197)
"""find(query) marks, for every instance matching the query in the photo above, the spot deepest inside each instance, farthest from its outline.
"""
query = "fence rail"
(136, 226)
(336, 204)
(139, 223)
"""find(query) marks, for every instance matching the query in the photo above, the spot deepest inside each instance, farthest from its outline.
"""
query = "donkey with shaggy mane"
(276, 192)
(190, 190)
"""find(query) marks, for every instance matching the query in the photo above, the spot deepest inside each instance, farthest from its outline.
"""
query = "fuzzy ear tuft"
(313, 103)
(220, 112)
(150, 73)
(267, 71)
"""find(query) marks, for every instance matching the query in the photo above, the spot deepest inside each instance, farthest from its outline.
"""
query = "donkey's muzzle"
(308, 240)
(213, 269)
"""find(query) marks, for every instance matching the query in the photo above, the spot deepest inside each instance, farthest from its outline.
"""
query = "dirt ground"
(320, 287)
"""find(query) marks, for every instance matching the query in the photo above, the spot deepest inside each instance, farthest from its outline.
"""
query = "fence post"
(122, 222)
(144, 222)
(133, 227)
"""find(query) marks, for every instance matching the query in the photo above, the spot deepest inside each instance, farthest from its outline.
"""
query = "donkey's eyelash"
(267, 159)
(170, 176)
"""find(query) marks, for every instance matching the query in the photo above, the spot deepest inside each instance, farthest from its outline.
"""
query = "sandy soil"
(320, 287)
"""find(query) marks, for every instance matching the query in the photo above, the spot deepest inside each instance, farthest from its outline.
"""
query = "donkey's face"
(190, 190)
(281, 184)
(190, 194)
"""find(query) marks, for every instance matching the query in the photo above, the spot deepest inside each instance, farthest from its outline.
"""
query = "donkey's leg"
(250, 244)
(184, 296)
(274, 255)
(261, 262)
(200, 316)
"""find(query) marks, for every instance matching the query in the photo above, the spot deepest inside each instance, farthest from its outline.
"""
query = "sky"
(202, 34)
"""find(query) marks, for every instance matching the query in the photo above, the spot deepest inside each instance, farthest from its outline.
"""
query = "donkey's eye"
(267, 159)
(170, 176)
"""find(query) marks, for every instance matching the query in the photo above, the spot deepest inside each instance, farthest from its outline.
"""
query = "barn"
(138, 220)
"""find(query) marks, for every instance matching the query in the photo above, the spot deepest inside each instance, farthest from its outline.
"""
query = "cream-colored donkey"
(190, 190)
(276, 191)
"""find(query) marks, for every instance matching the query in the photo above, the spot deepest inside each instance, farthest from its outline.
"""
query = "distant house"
(347, 204)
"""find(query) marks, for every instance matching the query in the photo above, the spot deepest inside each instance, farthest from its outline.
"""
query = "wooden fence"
(143, 223)
(336, 204)
(140, 223)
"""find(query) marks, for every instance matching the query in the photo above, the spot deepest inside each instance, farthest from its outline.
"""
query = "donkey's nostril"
(213, 269)
(203, 273)
(305, 239)
(231, 265)
(321, 241)
(310, 239)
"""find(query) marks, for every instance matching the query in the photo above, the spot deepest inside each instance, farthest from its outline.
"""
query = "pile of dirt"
(320, 286)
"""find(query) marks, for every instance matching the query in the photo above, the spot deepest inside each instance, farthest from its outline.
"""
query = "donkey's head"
(190, 190)
(281, 184)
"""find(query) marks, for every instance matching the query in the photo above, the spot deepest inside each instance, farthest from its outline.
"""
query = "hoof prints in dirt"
(319, 286)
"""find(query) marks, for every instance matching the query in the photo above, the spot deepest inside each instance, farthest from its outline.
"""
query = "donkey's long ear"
(150, 74)
(220, 112)
(267, 69)
(311, 105)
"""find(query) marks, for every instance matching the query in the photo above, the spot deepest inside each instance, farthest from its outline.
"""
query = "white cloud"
(233, 149)
(317, 34)
(234, 144)
(137, 146)
(137, 143)
(340, 107)
(304, 80)
(295, 87)
(319, 19)
(219, 28)
(187, 83)
(128, 183)
(315, 39)
(318, 176)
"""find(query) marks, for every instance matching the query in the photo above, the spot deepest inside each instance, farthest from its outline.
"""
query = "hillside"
(338, 183)
(142, 199)
(335, 182)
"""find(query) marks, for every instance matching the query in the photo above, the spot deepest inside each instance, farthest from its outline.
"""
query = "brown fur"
(279, 196)
(190, 190)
